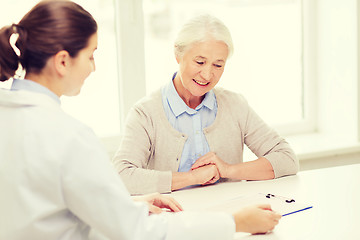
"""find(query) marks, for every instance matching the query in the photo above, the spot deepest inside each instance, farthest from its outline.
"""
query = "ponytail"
(10, 53)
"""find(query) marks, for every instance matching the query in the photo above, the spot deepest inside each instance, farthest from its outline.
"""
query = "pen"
(297, 211)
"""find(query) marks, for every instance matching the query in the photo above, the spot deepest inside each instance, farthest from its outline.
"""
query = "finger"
(207, 159)
(203, 160)
(211, 181)
(193, 167)
(208, 182)
(154, 209)
(203, 157)
(277, 216)
(169, 203)
(214, 180)
(198, 164)
(264, 206)
(274, 215)
(178, 205)
(217, 172)
(216, 177)
(173, 205)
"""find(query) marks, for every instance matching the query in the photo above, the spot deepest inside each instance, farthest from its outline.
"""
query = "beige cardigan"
(151, 148)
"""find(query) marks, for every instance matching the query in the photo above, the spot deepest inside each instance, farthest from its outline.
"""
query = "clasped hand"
(209, 168)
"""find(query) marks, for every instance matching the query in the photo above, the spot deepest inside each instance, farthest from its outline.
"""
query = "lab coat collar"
(23, 98)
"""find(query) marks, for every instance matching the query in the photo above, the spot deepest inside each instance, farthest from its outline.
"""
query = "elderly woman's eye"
(218, 65)
(200, 62)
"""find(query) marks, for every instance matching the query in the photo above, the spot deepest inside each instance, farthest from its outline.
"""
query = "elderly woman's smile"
(201, 83)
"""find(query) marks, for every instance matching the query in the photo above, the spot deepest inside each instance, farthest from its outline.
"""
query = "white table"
(334, 194)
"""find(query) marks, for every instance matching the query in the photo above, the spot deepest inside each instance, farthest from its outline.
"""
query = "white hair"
(199, 29)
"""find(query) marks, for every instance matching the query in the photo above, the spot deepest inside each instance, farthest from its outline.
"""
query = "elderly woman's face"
(202, 65)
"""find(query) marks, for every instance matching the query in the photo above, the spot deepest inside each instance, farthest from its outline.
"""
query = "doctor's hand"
(157, 202)
(256, 219)
(206, 174)
(212, 158)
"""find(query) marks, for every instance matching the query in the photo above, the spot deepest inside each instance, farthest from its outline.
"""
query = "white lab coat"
(56, 182)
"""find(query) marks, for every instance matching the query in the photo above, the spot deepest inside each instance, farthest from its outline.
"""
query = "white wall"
(337, 75)
(130, 53)
(334, 69)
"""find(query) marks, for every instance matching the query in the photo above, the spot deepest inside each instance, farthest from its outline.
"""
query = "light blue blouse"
(190, 122)
(23, 84)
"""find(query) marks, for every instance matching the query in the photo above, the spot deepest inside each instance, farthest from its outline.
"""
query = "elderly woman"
(191, 133)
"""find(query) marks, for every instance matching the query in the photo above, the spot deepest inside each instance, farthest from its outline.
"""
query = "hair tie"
(13, 38)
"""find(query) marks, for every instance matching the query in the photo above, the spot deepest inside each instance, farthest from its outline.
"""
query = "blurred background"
(295, 61)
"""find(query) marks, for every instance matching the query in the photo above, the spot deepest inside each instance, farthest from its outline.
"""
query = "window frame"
(309, 122)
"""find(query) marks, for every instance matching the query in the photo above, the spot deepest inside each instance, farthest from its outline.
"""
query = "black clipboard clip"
(287, 200)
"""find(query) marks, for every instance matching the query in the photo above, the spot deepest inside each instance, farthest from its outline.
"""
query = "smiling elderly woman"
(191, 133)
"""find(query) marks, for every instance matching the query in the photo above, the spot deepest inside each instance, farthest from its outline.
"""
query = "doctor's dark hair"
(49, 27)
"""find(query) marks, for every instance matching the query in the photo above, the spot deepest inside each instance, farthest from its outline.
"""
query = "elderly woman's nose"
(206, 73)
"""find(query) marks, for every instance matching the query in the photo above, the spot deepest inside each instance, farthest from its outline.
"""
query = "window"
(98, 103)
(267, 64)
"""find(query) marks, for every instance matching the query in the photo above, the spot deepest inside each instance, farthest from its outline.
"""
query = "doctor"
(56, 180)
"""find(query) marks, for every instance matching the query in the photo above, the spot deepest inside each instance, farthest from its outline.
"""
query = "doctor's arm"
(98, 197)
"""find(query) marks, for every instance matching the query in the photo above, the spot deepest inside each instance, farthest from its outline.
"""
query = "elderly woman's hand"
(212, 158)
(157, 202)
(205, 174)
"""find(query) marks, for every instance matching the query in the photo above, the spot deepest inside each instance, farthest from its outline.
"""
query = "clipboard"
(282, 205)
(286, 206)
